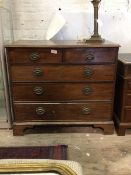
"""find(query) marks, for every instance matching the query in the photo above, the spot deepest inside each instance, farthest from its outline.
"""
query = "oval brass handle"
(38, 90)
(53, 112)
(34, 56)
(88, 72)
(37, 72)
(90, 57)
(86, 111)
(40, 111)
(87, 90)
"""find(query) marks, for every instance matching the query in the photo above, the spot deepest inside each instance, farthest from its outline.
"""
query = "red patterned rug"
(42, 152)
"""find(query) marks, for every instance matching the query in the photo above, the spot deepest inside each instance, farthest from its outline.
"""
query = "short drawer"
(62, 91)
(63, 112)
(90, 55)
(34, 55)
(63, 73)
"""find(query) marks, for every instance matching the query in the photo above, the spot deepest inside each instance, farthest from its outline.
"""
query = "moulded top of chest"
(125, 58)
(58, 44)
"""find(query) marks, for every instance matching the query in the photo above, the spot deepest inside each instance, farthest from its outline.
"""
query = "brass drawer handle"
(87, 90)
(34, 56)
(38, 90)
(90, 57)
(37, 72)
(88, 72)
(86, 111)
(40, 111)
(53, 112)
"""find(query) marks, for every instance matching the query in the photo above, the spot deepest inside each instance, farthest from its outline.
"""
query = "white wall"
(32, 18)
(5, 35)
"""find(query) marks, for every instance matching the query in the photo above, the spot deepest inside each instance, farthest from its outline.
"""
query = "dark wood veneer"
(62, 91)
(73, 73)
(92, 55)
(61, 83)
(25, 55)
(63, 112)
(123, 95)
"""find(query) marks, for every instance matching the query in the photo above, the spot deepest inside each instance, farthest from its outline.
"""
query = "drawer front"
(34, 55)
(128, 100)
(92, 55)
(127, 114)
(128, 73)
(63, 73)
(123, 69)
(128, 85)
(62, 91)
(63, 112)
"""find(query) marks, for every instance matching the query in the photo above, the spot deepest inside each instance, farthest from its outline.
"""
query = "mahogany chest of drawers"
(61, 84)
(123, 94)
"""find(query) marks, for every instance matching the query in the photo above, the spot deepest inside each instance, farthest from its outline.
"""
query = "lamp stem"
(96, 37)
(95, 4)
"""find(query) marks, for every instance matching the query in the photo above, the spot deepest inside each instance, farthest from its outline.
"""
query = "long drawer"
(63, 73)
(62, 91)
(34, 55)
(63, 112)
(90, 55)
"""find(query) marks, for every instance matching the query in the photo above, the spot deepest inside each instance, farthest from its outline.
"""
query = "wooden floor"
(98, 154)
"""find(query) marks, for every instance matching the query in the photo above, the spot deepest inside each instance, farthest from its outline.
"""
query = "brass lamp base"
(95, 39)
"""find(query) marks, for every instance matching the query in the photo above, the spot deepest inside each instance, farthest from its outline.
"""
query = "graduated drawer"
(34, 55)
(63, 112)
(63, 73)
(62, 91)
(90, 55)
